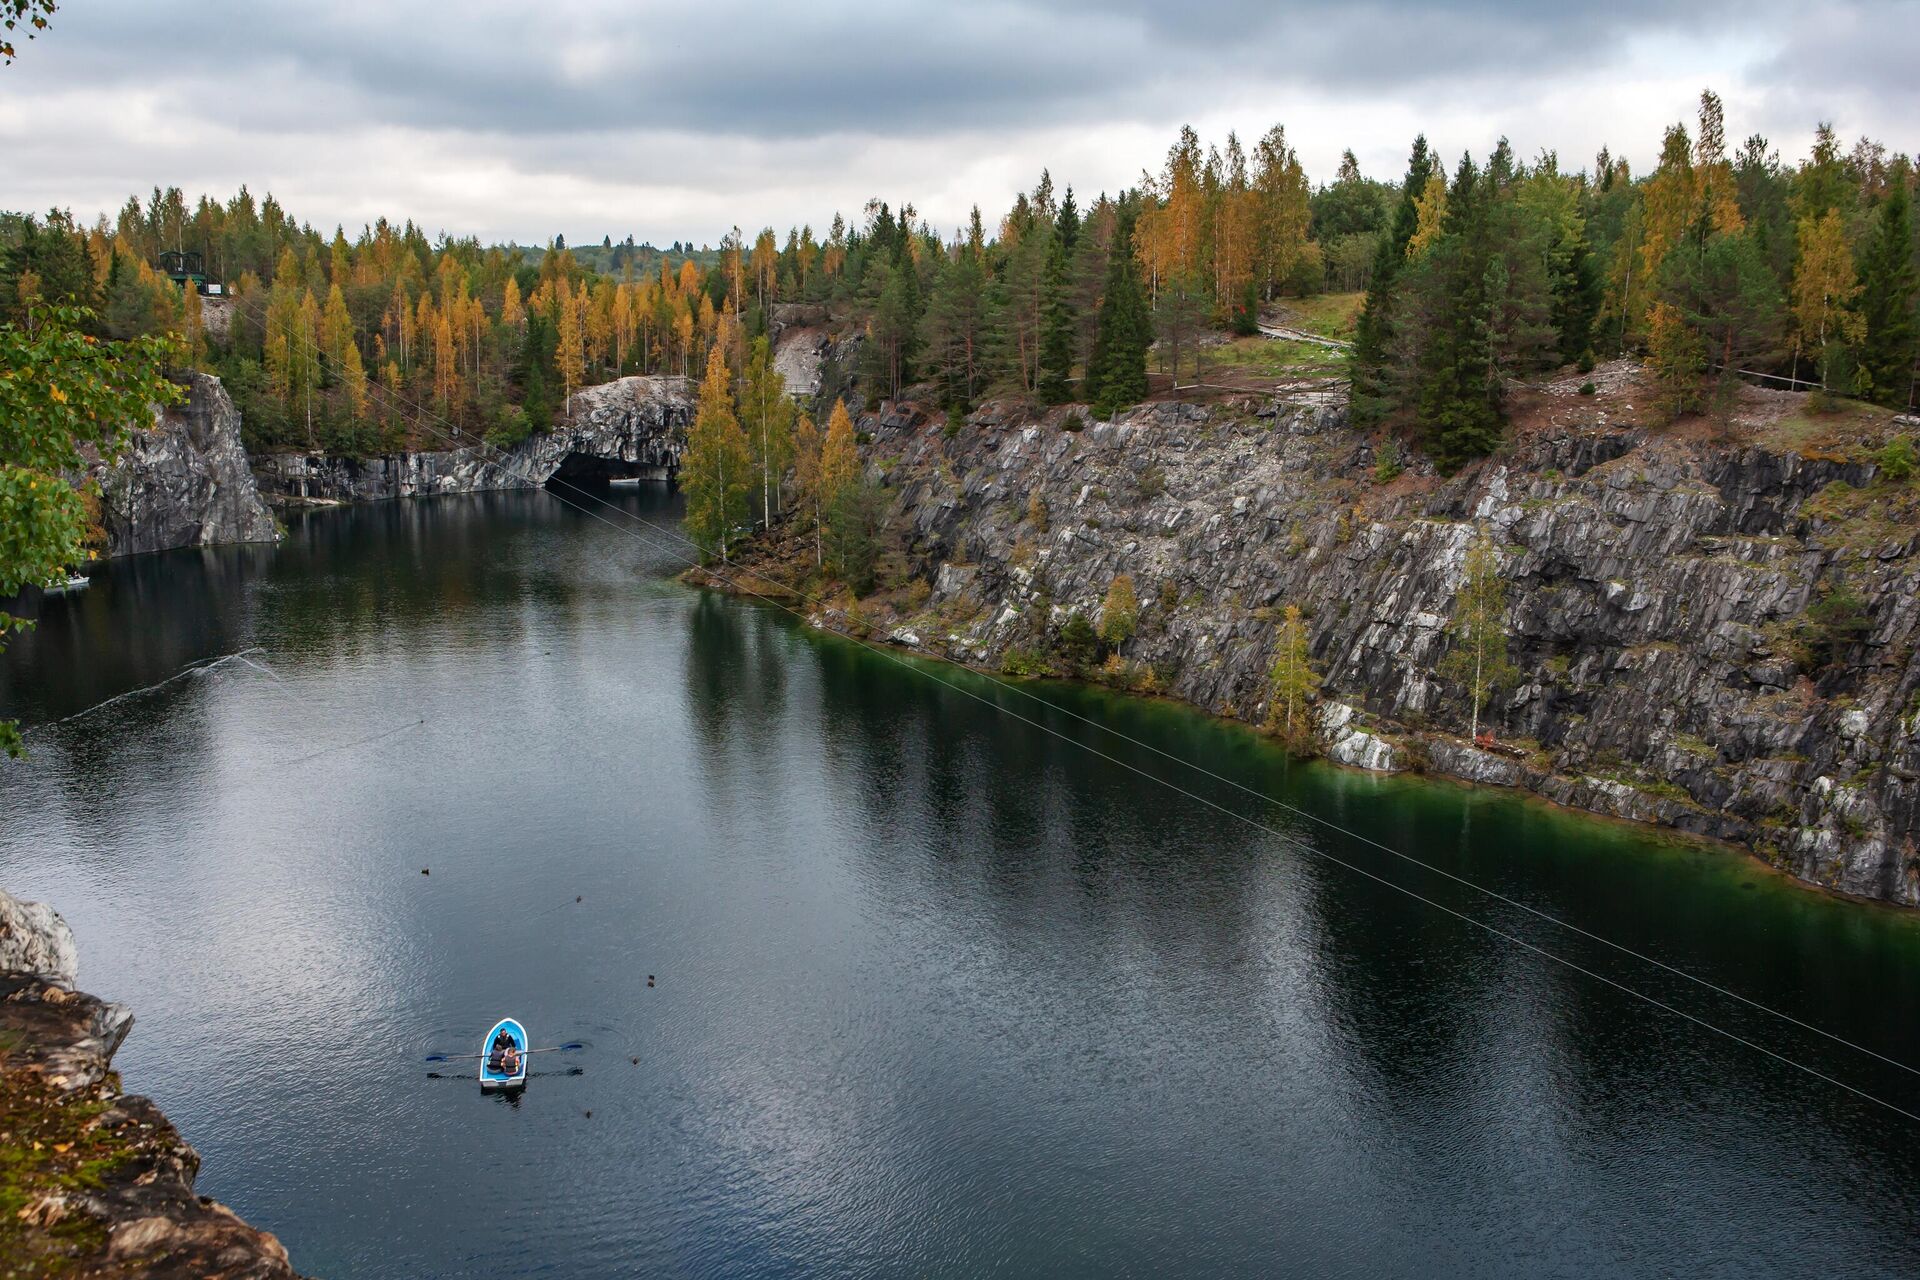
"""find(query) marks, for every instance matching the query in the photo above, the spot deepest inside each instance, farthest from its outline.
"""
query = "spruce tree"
(1458, 387)
(1056, 327)
(1117, 372)
(1576, 293)
(1887, 352)
(1371, 335)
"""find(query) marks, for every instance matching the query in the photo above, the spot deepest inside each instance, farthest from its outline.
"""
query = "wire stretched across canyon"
(423, 416)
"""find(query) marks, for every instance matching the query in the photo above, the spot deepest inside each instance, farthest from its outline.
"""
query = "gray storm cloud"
(615, 105)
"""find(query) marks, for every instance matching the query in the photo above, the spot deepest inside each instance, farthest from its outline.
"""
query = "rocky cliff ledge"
(94, 1182)
(1658, 580)
(185, 481)
(633, 426)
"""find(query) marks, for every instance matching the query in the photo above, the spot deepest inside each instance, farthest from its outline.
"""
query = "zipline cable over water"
(458, 439)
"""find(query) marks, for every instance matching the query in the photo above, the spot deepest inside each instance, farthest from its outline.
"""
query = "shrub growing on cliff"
(1896, 460)
(1120, 613)
(1838, 621)
(1386, 463)
(510, 428)
(1079, 644)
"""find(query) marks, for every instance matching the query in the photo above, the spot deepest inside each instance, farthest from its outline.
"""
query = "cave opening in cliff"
(590, 471)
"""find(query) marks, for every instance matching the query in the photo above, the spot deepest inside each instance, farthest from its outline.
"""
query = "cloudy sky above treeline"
(675, 121)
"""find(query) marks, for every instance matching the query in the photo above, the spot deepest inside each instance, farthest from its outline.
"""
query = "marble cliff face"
(1657, 589)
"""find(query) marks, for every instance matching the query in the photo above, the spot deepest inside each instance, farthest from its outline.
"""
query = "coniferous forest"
(1724, 261)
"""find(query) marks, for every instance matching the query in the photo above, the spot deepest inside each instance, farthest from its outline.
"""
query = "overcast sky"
(674, 121)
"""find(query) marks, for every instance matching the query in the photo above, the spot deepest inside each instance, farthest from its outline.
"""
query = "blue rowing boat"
(495, 1076)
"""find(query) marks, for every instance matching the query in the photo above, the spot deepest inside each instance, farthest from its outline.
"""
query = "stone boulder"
(35, 940)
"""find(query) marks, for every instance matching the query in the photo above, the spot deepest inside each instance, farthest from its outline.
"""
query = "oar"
(450, 1057)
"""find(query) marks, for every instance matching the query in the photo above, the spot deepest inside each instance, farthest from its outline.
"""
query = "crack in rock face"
(1655, 587)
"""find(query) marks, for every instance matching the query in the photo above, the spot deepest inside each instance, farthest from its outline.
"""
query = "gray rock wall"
(1655, 585)
(638, 423)
(185, 481)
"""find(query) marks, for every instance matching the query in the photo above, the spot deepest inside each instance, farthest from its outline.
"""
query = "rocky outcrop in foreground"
(185, 481)
(1659, 585)
(634, 426)
(94, 1182)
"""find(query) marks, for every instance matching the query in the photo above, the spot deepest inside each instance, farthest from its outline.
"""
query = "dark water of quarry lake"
(937, 992)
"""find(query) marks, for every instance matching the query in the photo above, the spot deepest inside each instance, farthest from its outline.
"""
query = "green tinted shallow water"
(939, 992)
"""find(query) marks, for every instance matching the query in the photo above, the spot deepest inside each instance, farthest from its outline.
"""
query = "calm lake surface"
(936, 991)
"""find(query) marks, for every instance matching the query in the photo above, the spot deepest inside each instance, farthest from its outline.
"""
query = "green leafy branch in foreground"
(63, 391)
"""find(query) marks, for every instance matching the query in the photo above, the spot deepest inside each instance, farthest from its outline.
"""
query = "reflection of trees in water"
(964, 801)
(142, 620)
(736, 688)
(391, 570)
(716, 656)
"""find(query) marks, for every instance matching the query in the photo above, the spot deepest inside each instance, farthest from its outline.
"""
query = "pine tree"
(1292, 682)
(891, 331)
(1458, 378)
(533, 370)
(956, 330)
(1575, 286)
(1478, 658)
(1724, 292)
(716, 473)
(1887, 348)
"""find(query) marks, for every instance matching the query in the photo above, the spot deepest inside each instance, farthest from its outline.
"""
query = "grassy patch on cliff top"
(1276, 358)
(1331, 315)
(1864, 520)
(1815, 428)
(52, 1151)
